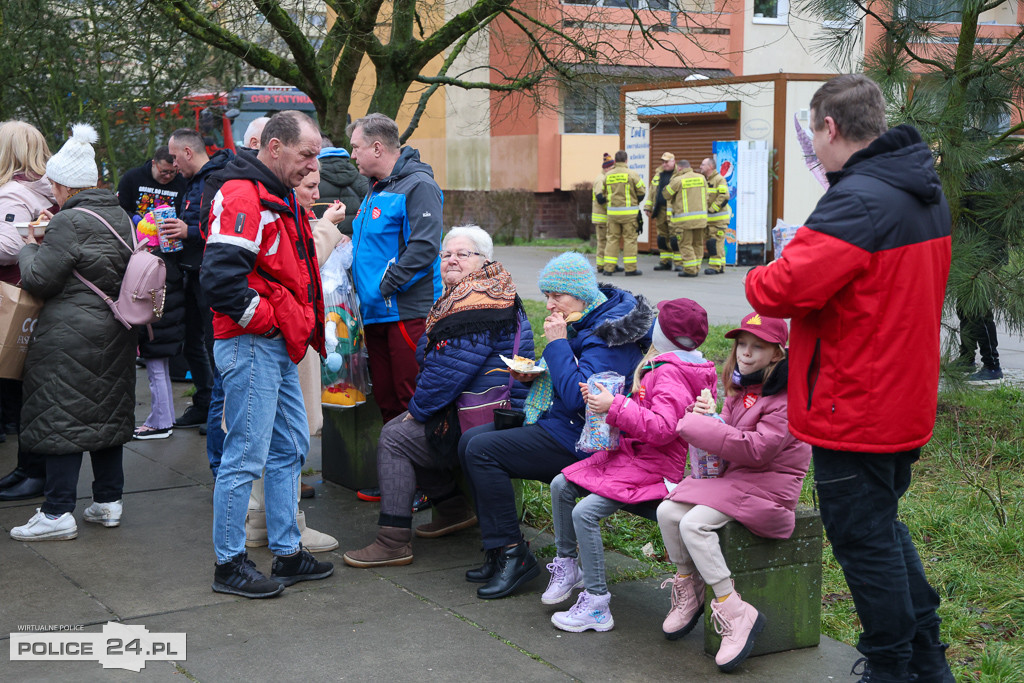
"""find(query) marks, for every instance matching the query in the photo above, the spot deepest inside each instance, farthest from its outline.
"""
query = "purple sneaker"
(565, 577)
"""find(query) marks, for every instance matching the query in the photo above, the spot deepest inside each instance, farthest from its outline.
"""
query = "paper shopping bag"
(19, 311)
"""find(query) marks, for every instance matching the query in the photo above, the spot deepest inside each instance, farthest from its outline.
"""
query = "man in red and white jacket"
(261, 278)
(863, 282)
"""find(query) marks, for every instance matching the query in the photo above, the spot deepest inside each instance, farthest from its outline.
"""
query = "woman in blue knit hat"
(590, 329)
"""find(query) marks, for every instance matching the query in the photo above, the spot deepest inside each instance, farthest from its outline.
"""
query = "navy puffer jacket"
(465, 363)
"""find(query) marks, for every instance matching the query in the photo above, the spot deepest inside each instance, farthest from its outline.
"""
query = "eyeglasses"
(460, 255)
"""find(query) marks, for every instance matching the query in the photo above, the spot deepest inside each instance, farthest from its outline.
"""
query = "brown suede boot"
(392, 547)
(448, 516)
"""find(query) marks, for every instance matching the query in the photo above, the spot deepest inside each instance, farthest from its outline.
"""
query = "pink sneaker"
(738, 623)
(589, 612)
(687, 605)
(565, 577)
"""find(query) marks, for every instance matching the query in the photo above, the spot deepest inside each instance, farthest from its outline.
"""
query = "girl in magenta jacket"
(764, 470)
(666, 381)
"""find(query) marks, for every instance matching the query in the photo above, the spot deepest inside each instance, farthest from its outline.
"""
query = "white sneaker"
(42, 528)
(107, 514)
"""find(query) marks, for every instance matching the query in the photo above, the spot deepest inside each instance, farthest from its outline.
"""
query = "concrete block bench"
(781, 578)
(348, 449)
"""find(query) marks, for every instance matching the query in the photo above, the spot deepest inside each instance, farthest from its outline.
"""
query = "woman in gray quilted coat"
(79, 378)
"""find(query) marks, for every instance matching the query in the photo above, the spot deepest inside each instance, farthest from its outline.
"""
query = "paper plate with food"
(522, 365)
(39, 225)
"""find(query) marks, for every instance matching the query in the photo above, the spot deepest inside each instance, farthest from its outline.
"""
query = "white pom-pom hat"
(74, 165)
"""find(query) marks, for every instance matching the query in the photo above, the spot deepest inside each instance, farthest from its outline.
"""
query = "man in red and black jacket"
(261, 278)
(863, 282)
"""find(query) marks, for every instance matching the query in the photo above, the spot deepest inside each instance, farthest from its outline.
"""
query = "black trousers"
(978, 332)
(62, 471)
(858, 495)
(197, 351)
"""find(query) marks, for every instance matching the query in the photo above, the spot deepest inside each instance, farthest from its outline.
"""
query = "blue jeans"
(858, 494)
(267, 433)
(214, 434)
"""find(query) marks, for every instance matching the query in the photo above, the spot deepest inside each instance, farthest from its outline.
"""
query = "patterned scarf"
(542, 391)
(488, 288)
(484, 301)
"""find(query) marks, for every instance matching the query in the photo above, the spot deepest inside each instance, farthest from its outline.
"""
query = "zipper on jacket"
(812, 371)
(387, 299)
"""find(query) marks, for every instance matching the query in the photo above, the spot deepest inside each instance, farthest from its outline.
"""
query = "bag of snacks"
(704, 465)
(598, 435)
(343, 373)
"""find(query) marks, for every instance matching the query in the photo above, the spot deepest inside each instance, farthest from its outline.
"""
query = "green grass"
(965, 511)
(582, 246)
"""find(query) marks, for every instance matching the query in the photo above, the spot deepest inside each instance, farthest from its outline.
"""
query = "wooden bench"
(781, 578)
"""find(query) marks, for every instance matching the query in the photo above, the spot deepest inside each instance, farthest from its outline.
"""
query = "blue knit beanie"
(570, 273)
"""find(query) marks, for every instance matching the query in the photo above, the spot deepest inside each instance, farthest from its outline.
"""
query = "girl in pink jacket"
(667, 380)
(764, 470)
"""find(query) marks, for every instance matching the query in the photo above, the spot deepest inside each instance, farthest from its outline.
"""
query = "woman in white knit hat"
(79, 379)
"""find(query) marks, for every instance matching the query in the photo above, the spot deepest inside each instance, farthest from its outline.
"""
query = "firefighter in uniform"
(624, 190)
(687, 195)
(656, 208)
(719, 215)
(599, 214)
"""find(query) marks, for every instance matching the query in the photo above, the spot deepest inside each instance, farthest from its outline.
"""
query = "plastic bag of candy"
(343, 373)
(598, 435)
(705, 465)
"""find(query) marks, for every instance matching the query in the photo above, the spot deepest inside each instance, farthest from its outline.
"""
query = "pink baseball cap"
(771, 330)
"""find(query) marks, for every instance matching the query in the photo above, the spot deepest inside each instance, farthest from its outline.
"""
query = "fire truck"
(221, 118)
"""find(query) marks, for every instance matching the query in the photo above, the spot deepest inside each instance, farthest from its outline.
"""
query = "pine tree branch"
(900, 38)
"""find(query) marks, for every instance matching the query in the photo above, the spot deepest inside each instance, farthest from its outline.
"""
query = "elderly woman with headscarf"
(590, 329)
(475, 321)
(79, 378)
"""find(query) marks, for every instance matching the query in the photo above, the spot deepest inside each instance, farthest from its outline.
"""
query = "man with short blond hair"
(397, 271)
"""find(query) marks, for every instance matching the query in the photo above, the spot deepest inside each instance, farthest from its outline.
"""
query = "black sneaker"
(192, 417)
(370, 495)
(301, 566)
(239, 576)
(986, 376)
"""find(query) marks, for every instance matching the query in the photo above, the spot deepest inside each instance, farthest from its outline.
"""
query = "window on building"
(938, 11)
(771, 11)
(632, 4)
(591, 109)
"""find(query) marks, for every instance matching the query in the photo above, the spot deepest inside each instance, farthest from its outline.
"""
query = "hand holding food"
(601, 401)
(704, 404)
(335, 213)
(554, 327)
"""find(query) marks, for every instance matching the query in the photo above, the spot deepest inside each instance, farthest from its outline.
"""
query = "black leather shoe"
(516, 566)
(634, 273)
(685, 274)
(619, 269)
(16, 476)
(484, 573)
(30, 487)
(712, 271)
(663, 266)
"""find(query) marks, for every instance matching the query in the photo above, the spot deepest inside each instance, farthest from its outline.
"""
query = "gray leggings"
(579, 523)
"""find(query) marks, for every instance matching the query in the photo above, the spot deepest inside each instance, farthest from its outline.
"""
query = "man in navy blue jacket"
(396, 236)
(191, 160)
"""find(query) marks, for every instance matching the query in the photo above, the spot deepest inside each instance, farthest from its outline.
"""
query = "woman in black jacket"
(79, 378)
